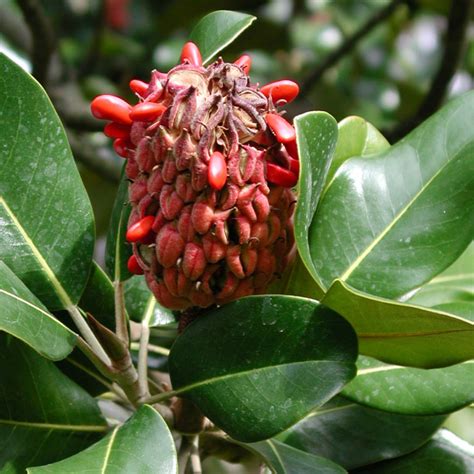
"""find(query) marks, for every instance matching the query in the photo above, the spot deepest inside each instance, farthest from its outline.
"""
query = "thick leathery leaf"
(44, 416)
(284, 459)
(46, 221)
(117, 249)
(217, 30)
(412, 391)
(357, 137)
(316, 134)
(26, 318)
(260, 364)
(444, 454)
(352, 435)
(389, 223)
(142, 305)
(400, 333)
(454, 285)
(98, 297)
(142, 445)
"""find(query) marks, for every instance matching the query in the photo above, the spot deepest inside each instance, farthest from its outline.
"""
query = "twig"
(152, 348)
(88, 335)
(121, 320)
(458, 22)
(143, 360)
(184, 454)
(93, 52)
(195, 458)
(161, 397)
(349, 44)
(43, 43)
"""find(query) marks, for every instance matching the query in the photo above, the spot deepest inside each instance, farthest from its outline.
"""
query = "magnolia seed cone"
(200, 156)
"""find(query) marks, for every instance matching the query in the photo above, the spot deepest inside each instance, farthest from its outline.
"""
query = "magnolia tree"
(305, 304)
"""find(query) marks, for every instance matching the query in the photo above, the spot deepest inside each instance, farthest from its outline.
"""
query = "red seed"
(133, 266)
(147, 111)
(110, 107)
(121, 146)
(139, 87)
(280, 176)
(292, 149)
(117, 130)
(140, 230)
(281, 90)
(217, 171)
(294, 166)
(191, 54)
(284, 131)
(244, 62)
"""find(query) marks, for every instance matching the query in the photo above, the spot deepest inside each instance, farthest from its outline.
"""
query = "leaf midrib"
(54, 426)
(36, 308)
(60, 291)
(243, 373)
(355, 264)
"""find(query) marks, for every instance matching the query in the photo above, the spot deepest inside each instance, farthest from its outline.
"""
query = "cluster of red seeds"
(271, 149)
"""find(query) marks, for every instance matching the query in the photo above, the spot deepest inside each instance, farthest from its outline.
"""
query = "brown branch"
(349, 44)
(455, 41)
(95, 46)
(43, 43)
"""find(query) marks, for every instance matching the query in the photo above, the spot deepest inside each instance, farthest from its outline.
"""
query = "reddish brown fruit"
(281, 90)
(217, 171)
(133, 266)
(110, 107)
(140, 230)
(191, 54)
(284, 131)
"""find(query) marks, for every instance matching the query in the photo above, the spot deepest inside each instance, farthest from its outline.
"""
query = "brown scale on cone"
(199, 152)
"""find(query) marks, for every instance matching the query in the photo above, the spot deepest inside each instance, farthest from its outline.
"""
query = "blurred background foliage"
(393, 62)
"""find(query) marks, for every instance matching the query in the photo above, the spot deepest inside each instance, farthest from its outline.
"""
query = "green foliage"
(265, 363)
(44, 416)
(359, 373)
(145, 433)
(40, 186)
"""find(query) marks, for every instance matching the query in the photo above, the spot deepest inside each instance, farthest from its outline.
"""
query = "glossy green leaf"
(217, 30)
(357, 137)
(352, 435)
(391, 222)
(412, 391)
(444, 454)
(465, 309)
(25, 317)
(284, 459)
(98, 297)
(44, 416)
(400, 333)
(142, 305)
(117, 249)
(455, 284)
(260, 364)
(46, 221)
(142, 445)
(316, 134)
(297, 281)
